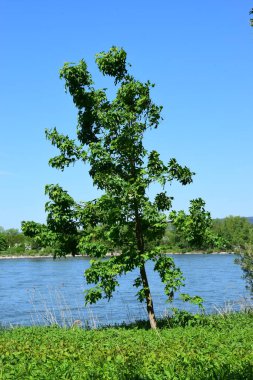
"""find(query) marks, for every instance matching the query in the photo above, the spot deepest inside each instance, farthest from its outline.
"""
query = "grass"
(212, 347)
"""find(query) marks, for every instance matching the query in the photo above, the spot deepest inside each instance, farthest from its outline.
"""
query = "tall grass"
(51, 308)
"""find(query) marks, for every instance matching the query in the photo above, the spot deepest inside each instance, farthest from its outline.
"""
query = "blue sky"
(198, 53)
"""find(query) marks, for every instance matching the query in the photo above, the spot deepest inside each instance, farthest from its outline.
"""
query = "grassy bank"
(220, 347)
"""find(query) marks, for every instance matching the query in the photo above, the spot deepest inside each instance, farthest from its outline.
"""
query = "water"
(42, 291)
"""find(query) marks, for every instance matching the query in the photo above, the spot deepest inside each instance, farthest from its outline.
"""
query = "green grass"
(218, 347)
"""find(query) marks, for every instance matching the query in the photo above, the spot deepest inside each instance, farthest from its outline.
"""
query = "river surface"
(45, 291)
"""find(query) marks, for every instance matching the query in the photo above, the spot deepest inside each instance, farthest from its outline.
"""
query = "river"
(44, 291)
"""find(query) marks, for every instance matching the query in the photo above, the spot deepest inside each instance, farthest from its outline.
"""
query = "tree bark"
(149, 301)
(141, 249)
(144, 278)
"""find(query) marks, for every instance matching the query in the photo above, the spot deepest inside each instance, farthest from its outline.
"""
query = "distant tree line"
(191, 231)
(13, 242)
(185, 232)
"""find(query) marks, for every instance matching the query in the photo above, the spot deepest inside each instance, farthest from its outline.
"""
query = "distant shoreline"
(13, 257)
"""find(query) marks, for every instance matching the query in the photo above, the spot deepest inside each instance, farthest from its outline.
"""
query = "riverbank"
(5, 257)
(216, 347)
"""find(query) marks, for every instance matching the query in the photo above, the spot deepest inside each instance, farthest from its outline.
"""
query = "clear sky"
(198, 53)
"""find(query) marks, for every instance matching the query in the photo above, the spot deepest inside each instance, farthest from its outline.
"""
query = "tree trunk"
(141, 248)
(149, 301)
(145, 284)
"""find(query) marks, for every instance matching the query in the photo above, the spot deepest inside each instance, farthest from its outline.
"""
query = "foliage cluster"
(221, 349)
(12, 241)
(192, 231)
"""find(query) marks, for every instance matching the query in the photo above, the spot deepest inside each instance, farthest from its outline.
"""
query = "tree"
(3, 242)
(236, 231)
(14, 237)
(193, 231)
(110, 139)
